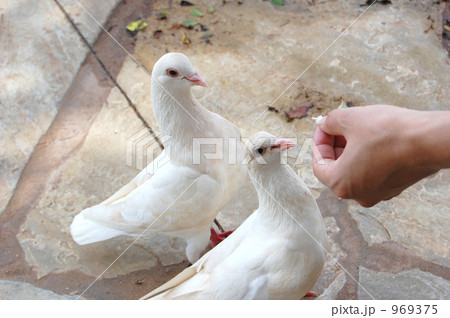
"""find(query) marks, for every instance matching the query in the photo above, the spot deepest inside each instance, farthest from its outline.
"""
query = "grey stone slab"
(10, 290)
(91, 175)
(335, 287)
(41, 54)
(410, 284)
(88, 14)
(418, 219)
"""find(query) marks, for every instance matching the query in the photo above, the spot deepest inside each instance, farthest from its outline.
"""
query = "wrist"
(428, 139)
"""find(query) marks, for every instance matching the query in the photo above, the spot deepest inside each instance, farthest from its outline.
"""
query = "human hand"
(373, 153)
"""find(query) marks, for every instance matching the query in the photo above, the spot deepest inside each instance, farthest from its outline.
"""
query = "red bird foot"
(216, 238)
(310, 294)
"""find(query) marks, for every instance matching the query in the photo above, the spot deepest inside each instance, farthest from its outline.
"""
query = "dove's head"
(174, 71)
(265, 149)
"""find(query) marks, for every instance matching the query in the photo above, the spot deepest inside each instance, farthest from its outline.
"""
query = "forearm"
(429, 137)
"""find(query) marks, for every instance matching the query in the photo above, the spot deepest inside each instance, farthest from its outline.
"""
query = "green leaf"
(136, 25)
(163, 12)
(278, 2)
(189, 23)
(206, 36)
(343, 104)
(196, 12)
(211, 10)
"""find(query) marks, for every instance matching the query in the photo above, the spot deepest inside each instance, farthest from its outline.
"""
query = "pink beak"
(283, 144)
(196, 79)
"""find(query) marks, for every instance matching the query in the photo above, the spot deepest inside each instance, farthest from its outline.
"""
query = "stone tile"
(332, 278)
(10, 290)
(418, 219)
(410, 284)
(95, 172)
(98, 10)
(335, 287)
(39, 62)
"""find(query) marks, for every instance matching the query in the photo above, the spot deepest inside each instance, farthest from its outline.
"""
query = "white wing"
(171, 201)
(142, 177)
(232, 270)
(167, 202)
(255, 262)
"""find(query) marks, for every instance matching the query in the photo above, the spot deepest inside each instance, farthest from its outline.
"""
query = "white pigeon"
(182, 197)
(277, 253)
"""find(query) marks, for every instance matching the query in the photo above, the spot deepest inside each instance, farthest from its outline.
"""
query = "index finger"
(325, 144)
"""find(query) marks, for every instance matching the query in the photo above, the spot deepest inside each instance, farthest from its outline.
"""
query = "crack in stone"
(108, 73)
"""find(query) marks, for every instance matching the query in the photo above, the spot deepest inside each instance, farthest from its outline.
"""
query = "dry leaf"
(186, 40)
(157, 34)
(299, 112)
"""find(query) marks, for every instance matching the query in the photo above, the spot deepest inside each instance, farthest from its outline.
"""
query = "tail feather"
(85, 231)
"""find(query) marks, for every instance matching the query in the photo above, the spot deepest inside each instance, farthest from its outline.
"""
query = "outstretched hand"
(373, 153)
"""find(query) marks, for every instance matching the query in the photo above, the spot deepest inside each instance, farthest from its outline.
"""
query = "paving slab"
(41, 53)
(422, 227)
(255, 52)
(10, 290)
(411, 284)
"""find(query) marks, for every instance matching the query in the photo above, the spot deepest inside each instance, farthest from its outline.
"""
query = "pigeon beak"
(283, 144)
(196, 79)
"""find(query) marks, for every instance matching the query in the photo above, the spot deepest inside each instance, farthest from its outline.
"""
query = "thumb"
(335, 122)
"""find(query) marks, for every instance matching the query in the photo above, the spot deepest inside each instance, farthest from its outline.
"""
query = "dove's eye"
(172, 73)
(260, 151)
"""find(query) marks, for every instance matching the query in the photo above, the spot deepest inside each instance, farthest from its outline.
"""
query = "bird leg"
(216, 238)
(310, 294)
(218, 225)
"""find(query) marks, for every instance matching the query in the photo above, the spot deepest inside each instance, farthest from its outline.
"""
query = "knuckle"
(338, 118)
(332, 117)
(367, 204)
(342, 190)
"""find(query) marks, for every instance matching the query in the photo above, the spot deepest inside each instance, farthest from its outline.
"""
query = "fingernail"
(322, 121)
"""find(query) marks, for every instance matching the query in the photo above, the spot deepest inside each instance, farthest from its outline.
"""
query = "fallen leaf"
(278, 2)
(189, 24)
(272, 109)
(136, 25)
(211, 10)
(175, 26)
(157, 34)
(196, 12)
(163, 12)
(206, 36)
(447, 27)
(186, 40)
(299, 112)
(186, 3)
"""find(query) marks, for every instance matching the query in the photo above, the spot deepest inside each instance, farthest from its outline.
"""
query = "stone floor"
(73, 132)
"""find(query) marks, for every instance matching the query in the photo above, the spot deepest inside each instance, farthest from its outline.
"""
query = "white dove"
(277, 253)
(183, 196)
